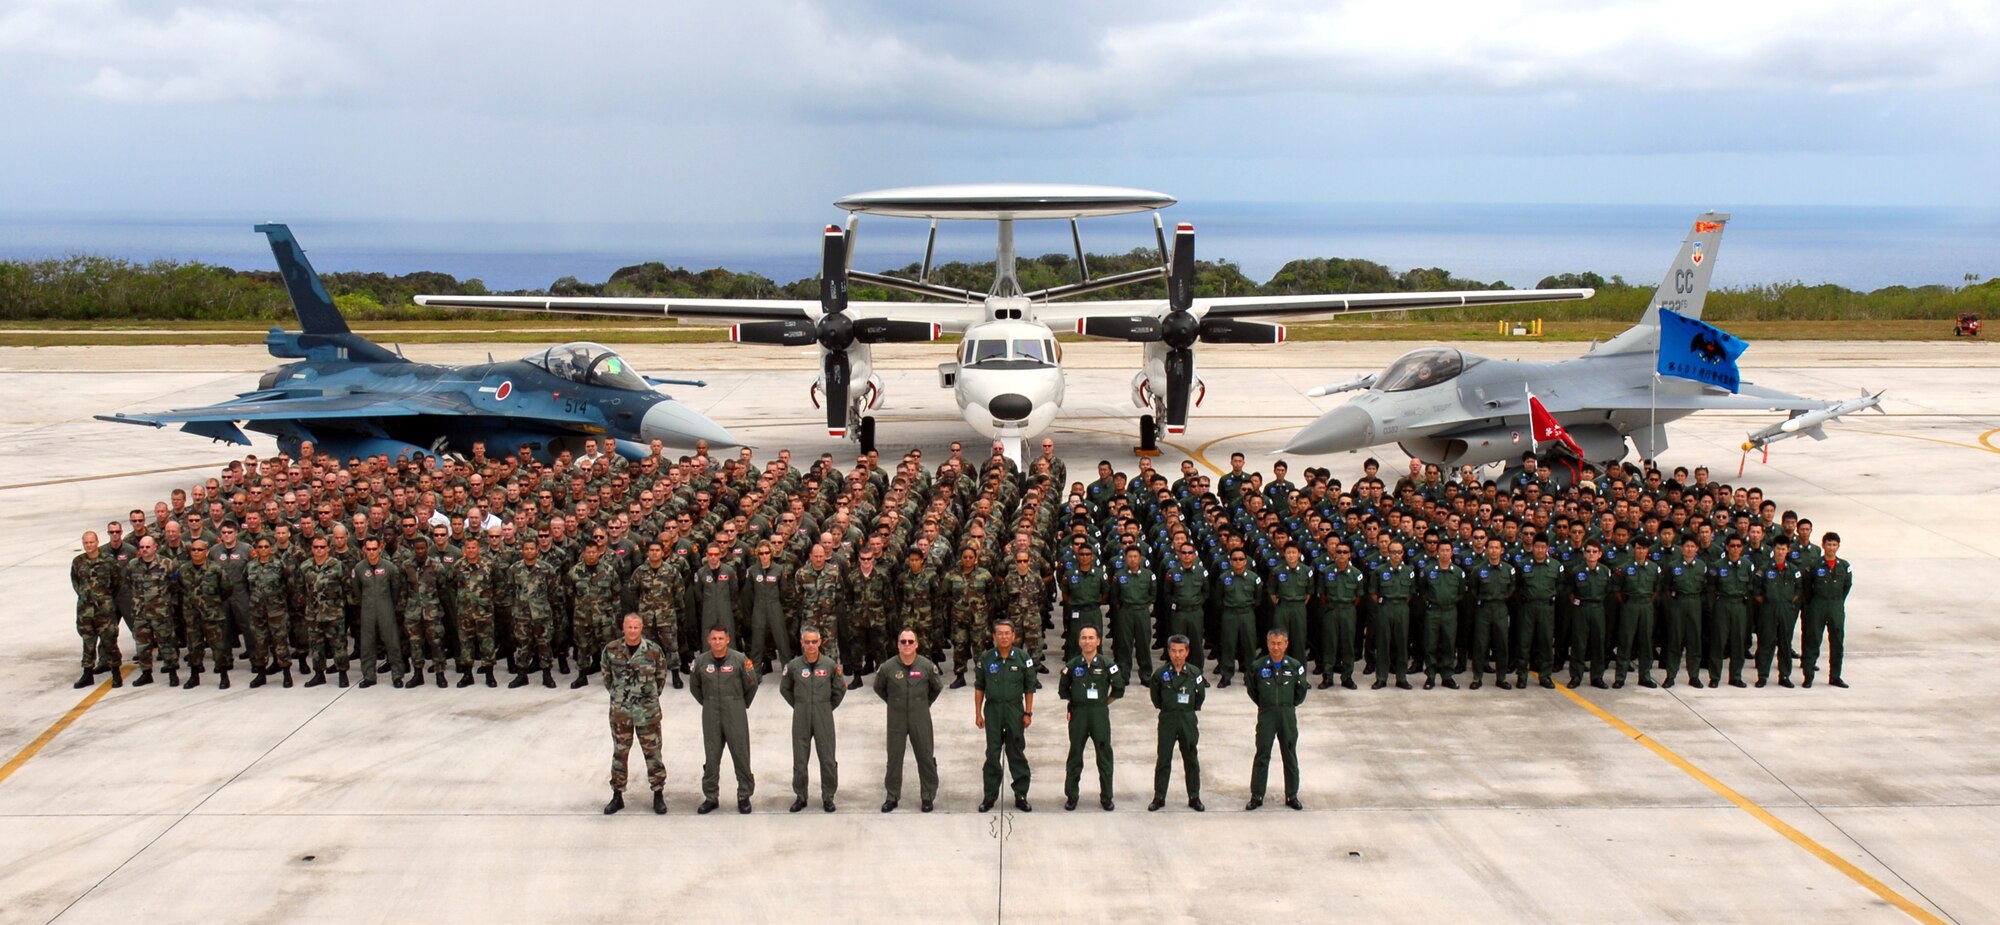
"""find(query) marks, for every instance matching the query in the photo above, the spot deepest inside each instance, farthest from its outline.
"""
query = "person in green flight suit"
(1730, 582)
(1089, 683)
(1492, 582)
(909, 684)
(1586, 585)
(1003, 704)
(1291, 586)
(1086, 587)
(1780, 587)
(1827, 582)
(1187, 599)
(1133, 590)
(1686, 580)
(1391, 585)
(724, 681)
(1178, 693)
(1539, 582)
(1342, 585)
(1638, 586)
(1442, 584)
(812, 686)
(1277, 684)
(1239, 593)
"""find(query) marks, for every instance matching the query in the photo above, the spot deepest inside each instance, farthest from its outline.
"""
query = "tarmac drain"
(309, 858)
(1353, 854)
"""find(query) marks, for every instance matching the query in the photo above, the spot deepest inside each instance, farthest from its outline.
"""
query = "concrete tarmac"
(1876, 803)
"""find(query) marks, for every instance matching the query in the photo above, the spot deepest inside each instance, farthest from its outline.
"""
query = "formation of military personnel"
(705, 572)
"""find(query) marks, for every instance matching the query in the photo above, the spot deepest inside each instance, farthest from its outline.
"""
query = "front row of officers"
(725, 681)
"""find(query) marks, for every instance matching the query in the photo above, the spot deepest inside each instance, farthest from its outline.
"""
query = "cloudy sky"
(610, 110)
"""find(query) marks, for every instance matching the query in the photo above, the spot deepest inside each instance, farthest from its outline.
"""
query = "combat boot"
(1618, 680)
(1521, 680)
(548, 680)
(464, 678)
(193, 681)
(117, 677)
(1501, 683)
(1549, 681)
(288, 677)
(855, 683)
(89, 678)
(343, 679)
(520, 680)
(1785, 681)
(958, 680)
(677, 679)
(562, 664)
(582, 679)
(173, 677)
(1808, 681)
(1477, 683)
(1448, 682)
(659, 803)
(488, 673)
(222, 680)
(417, 679)
(318, 678)
(258, 680)
(438, 674)
(1646, 680)
(146, 677)
(1597, 681)
(617, 803)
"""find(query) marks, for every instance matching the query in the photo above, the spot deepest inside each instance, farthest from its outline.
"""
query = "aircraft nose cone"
(1010, 407)
(1337, 431)
(679, 426)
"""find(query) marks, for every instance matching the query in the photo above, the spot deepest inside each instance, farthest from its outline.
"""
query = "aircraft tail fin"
(1683, 290)
(320, 321)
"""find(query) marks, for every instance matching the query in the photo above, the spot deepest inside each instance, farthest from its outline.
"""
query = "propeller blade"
(896, 331)
(834, 376)
(791, 332)
(1134, 328)
(1180, 275)
(1231, 331)
(1180, 388)
(833, 271)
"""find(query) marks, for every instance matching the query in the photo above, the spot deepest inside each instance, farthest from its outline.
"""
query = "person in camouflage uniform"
(326, 592)
(151, 578)
(655, 592)
(93, 575)
(423, 613)
(969, 593)
(870, 595)
(818, 589)
(205, 591)
(534, 583)
(270, 613)
(473, 585)
(917, 589)
(1025, 600)
(594, 597)
(635, 671)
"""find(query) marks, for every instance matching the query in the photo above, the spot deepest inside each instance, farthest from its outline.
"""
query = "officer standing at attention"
(1342, 585)
(1732, 581)
(1780, 585)
(1090, 681)
(1277, 685)
(1291, 585)
(812, 685)
(1686, 579)
(378, 591)
(1003, 704)
(93, 574)
(1393, 582)
(909, 684)
(1133, 590)
(1492, 584)
(1442, 585)
(635, 671)
(1177, 693)
(1638, 585)
(1085, 590)
(1588, 583)
(1241, 589)
(1828, 579)
(724, 682)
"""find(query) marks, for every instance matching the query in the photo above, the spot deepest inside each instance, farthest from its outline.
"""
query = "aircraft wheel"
(868, 433)
(1149, 433)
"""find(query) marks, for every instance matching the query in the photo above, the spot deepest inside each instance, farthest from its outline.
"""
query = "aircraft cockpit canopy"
(1421, 368)
(586, 363)
(1018, 352)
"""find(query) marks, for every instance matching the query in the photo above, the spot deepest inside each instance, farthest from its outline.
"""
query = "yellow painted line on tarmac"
(1801, 839)
(119, 475)
(1986, 440)
(1200, 453)
(55, 729)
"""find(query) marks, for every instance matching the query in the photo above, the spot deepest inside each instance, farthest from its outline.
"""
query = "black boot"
(193, 681)
(677, 679)
(582, 680)
(1501, 683)
(464, 678)
(548, 680)
(488, 674)
(258, 681)
(89, 678)
(118, 677)
(417, 680)
(562, 663)
(222, 680)
(520, 680)
(343, 679)
(318, 678)
(146, 677)
(617, 803)
(173, 677)
(958, 680)
(288, 677)
(659, 803)
(854, 684)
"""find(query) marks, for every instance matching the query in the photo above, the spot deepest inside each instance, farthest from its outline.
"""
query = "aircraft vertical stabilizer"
(1683, 290)
(319, 319)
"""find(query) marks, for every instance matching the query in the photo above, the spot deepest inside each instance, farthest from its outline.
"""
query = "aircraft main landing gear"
(867, 434)
(1149, 436)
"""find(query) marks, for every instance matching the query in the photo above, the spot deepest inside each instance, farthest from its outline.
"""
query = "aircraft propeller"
(1180, 328)
(836, 330)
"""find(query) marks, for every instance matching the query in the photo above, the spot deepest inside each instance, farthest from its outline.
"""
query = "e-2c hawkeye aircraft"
(353, 398)
(1445, 406)
(1007, 376)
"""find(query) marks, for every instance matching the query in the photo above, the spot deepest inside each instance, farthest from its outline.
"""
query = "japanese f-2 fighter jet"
(353, 398)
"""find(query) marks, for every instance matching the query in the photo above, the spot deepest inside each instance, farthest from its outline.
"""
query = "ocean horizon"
(1857, 247)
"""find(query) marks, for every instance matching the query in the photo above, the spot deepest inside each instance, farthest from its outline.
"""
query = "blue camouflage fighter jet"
(353, 398)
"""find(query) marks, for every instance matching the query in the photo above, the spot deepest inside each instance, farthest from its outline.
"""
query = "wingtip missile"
(1360, 382)
(1810, 423)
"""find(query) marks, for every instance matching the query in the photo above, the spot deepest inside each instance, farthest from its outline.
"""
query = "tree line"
(107, 289)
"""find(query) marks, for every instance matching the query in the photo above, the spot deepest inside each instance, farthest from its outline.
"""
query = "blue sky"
(617, 111)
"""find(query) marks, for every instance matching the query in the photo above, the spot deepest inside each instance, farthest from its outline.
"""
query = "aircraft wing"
(954, 316)
(1752, 398)
(352, 404)
(1060, 315)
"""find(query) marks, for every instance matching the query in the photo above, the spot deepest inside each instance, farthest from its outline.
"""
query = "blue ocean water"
(1858, 247)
